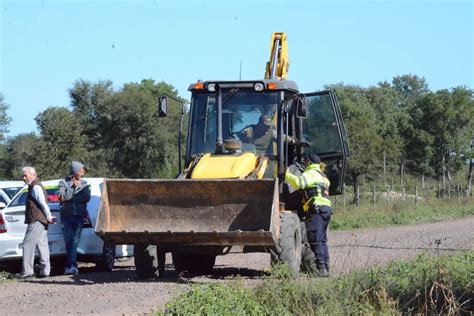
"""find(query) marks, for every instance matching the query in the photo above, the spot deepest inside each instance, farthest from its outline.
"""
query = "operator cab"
(239, 117)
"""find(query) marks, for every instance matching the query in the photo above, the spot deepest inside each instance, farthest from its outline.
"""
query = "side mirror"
(2, 205)
(301, 107)
(162, 106)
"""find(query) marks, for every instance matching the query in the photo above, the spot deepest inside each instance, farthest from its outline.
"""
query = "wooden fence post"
(344, 195)
(357, 195)
(416, 196)
(373, 196)
(403, 195)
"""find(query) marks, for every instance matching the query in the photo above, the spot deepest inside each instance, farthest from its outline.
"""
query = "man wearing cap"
(74, 193)
(260, 134)
(315, 188)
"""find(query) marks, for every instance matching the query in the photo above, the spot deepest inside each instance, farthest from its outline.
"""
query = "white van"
(91, 247)
(8, 189)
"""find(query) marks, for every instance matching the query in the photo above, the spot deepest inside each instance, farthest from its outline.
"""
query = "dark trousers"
(72, 228)
(317, 223)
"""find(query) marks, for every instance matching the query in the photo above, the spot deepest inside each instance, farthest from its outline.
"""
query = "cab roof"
(280, 85)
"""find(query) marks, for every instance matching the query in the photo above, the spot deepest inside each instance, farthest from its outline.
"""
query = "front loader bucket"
(189, 212)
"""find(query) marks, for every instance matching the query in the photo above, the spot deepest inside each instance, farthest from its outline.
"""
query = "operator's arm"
(246, 134)
(308, 178)
(38, 195)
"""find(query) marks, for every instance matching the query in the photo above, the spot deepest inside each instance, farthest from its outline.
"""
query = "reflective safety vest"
(314, 184)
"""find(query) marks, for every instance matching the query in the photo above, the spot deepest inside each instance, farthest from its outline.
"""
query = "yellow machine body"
(212, 166)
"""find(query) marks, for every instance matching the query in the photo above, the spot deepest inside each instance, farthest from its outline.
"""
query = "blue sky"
(46, 45)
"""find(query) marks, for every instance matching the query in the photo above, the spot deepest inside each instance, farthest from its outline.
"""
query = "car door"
(14, 215)
(324, 129)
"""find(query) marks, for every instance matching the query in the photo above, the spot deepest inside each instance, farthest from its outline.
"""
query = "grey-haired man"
(37, 217)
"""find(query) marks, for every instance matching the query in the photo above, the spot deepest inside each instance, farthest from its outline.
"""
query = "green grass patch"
(383, 215)
(428, 285)
(6, 277)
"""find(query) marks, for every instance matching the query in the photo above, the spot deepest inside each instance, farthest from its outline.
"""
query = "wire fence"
(405, 195)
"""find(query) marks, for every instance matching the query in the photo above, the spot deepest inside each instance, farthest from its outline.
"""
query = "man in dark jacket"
(74, 193)
(37, 217)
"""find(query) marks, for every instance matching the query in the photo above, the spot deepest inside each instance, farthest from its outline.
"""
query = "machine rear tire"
(289, 246)
(308, 259)
(200, 263)
(146, 261)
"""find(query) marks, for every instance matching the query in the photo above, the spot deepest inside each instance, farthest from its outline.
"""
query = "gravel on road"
(120, 292)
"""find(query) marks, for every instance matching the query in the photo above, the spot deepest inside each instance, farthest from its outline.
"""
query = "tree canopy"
(117, 132)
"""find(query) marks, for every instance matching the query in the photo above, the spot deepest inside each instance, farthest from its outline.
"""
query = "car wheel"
(107, 261)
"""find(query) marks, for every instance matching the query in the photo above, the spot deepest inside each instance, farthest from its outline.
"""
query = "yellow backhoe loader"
(242, 135)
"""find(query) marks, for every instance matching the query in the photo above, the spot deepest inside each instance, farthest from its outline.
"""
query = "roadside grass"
(6, 277)
(443, 285)
(382, 215)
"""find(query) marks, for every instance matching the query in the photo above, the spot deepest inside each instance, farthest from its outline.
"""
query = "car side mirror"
(301, 107)
(2, 205)
(162, 106)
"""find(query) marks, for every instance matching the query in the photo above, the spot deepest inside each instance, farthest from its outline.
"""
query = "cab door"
(324, 129)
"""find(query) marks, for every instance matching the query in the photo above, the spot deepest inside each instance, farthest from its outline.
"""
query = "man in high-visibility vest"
(315, 188)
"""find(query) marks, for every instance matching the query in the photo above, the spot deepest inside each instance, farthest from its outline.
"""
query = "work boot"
(322, 271)
(327, 267)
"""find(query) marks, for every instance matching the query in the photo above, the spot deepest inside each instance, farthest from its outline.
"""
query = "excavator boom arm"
(277, 67)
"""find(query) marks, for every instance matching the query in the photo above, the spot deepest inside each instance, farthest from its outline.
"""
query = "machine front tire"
(146, 261)
(289, 246)
(200, 263)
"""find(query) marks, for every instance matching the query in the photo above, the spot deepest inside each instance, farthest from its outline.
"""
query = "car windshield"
(20, 200)
(240, 109)
(11, 191)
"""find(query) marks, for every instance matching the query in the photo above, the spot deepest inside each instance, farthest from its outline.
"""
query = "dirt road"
(119, 292)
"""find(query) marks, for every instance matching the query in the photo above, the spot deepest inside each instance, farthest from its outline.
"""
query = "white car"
(91, 247)
(8, 189)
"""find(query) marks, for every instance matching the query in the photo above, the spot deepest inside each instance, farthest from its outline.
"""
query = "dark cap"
(314, 158)
(76, 166)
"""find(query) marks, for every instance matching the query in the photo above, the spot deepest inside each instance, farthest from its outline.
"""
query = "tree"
(410, 89)
(4, 122)
(446, 117)
(139, 143)
(62, 140)
(87, 103)
(20, 152)
(385, 100)
(4, 118)
(124, 135)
